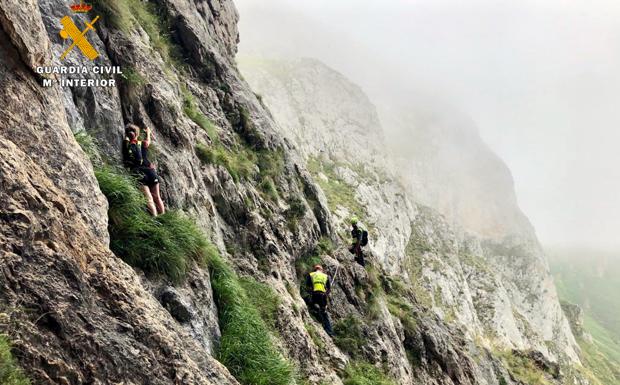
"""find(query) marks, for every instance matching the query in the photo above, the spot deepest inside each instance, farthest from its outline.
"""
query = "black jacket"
(135, 155)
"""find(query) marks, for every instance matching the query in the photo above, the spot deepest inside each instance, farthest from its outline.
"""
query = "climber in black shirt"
(359, 237)
(135, 157)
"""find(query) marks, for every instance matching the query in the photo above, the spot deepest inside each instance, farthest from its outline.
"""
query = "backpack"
(364, 238)
(132, 154)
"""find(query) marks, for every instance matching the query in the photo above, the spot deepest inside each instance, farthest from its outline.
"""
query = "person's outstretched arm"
(147, 141)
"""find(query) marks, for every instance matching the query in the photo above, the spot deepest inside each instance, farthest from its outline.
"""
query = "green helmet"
(354, 220)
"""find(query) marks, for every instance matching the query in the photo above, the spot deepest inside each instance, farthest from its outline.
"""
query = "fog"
(540, 80)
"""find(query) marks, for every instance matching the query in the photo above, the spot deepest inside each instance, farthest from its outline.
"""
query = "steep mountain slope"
(76, 313)
(495, 284)
(450, 168)
(599, 272)
(588, 280)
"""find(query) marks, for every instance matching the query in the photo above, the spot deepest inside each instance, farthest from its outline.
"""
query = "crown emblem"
(81, 8)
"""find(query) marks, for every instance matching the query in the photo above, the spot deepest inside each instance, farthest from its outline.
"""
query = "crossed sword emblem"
(70, 30)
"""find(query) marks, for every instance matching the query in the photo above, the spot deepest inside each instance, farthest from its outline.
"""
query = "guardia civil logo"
(70, 31)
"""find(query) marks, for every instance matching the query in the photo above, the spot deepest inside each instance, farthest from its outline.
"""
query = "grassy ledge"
(10, 373)
(337, 191)
(362, 373)
(349, 337)
(241, 163)
(165, 244)
(263, 298)
(125, 15)
(193, 112)
(246, 348)
(522, 368)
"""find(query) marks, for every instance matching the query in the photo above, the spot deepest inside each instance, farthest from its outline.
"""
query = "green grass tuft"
(245, 347)
(270, 163)
(372, 292)
(325, 246)
(89, 146)
(263, 298)
(126, 15)
(296, 208)
(337, 191)
(522, 368)
(192, 112)
(165, 244)
(242, 160)
(362, 373)
(349, 337)
(403, 311)
(133, 77)
(10, 373)
(210, 155)
(239, 164)
(315, 336)
(269, 188)
(270, 166)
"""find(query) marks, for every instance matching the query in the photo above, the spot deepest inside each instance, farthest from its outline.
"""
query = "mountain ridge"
(77, 313)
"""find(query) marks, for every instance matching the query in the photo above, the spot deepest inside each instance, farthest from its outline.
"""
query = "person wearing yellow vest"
(319, 285)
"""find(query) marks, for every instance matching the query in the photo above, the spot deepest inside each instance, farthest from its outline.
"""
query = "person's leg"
(315, 305)
(327, 325)
(149, 200)
(157, 198)
(358, 255)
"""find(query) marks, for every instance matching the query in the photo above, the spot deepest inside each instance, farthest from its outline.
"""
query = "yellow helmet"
(354, 220)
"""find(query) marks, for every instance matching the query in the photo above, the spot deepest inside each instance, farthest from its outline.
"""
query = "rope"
(334, 278)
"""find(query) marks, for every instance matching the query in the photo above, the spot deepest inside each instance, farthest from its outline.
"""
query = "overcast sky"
(541, 79)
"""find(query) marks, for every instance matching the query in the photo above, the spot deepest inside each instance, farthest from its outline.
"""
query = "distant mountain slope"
(591, 279)
(449, 167)
(491, 279)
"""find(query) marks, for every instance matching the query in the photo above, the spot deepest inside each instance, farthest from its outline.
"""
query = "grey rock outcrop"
(79, 314)
(574, 314)
(480, 266)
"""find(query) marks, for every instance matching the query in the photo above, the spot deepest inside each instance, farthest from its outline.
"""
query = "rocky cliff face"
(449, 167)
(77, 314)
(481, 267)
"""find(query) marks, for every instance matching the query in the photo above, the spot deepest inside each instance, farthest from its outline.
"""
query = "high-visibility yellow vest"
(319, 281)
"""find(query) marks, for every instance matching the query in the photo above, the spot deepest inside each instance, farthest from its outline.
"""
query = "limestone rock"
(478, 268)
(78, 314)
